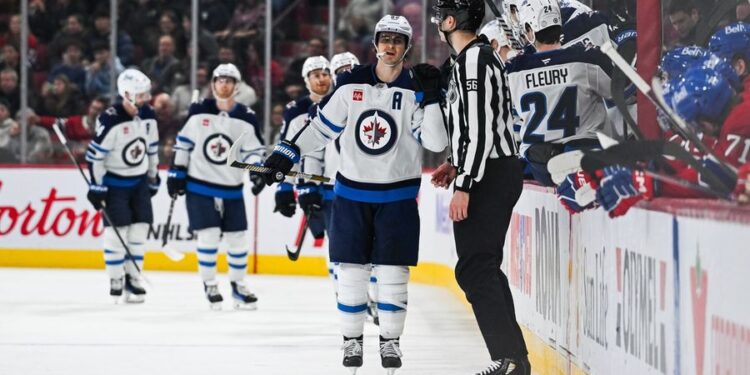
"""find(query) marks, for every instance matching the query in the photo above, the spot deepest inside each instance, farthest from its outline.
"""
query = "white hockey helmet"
(343, 59)
(493, 31)
(315, 63)
(227, 70)
(132, 82)
(539, 14)
(394, 24)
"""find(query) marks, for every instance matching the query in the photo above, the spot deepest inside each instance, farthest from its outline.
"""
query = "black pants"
(479, 243)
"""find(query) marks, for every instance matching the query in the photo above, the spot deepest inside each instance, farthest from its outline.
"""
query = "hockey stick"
(171, 253)
(654, 94)
(103, 211)
(294, 255)
(233, 162)
(503, 25)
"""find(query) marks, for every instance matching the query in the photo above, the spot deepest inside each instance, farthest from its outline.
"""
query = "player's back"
(583, 27)
(558, 94)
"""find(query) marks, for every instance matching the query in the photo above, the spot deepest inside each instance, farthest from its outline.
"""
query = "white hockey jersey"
(125, 149)
(558, 94)
(381, 130)
(581, 27)
(203, 147)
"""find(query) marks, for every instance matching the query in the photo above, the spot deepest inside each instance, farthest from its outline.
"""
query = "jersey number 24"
(563, 116)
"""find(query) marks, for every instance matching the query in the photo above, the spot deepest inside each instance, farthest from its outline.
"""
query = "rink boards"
(655, 292)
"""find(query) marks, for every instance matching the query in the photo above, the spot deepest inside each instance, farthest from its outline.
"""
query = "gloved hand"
(258, 183)
(176, 181)
(577, 192)
(285, 203)
(742, 188)
(309, 197)
(621, 188)
(428, 78)
(153, 185)
(97, 195)
(281, 161)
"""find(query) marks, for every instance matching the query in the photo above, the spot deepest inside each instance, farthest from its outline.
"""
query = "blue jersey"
(203, 148)
(583, 27)
(125, 148)
(558, 94)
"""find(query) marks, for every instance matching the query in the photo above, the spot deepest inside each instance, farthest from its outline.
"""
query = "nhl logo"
(216, 148)
(134, 152)
(452, 92)
(376, 132)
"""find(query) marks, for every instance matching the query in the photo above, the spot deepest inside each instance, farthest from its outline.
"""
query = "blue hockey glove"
(153, 185)
(309, 197)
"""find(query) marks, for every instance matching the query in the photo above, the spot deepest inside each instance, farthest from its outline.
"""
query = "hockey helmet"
(724, 68)
(701, 94)
(132, 82)
(493, 31)
(343, 59)
(677, 60)
(539, 14)
(394, 24)
(311, 64)
(732, 41)
(227, 70)
(468, 13)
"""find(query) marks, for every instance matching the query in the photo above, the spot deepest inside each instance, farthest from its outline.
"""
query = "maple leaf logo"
(374, 131)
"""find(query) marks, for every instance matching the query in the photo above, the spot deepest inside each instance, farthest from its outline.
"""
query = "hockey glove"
(176, 181)
(577, 192)
(97, 195)
(281, 161)
(258, 183)
(428, 78)
(285, 203)
(153, 185)
(309, 197)
(621, 188)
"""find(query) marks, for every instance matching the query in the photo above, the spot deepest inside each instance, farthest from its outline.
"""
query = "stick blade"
(172, 253)
(234, 151)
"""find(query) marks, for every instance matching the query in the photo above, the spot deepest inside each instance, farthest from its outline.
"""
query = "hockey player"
(498, 40)
(381, 119)
(215, 204)
(733, 44)
(558, 94)
(343, 62)
(123, 159)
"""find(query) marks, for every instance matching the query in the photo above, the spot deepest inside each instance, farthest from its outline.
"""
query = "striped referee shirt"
(478, 114)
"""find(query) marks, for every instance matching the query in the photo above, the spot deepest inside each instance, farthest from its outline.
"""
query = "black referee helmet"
(468, 13)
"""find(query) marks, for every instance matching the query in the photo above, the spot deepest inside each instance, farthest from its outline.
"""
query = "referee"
(487, 178)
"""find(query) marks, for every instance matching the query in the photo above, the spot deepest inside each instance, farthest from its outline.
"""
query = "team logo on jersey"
(375, 132)
(358, 95)
(452, 91)
(216, 148)
(206, 122)
(134, 152)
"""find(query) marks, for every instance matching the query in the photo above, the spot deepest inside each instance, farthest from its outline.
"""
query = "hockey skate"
(372, 311)
(352, 353)
(211, 288)
(390, 354)
(243, 299)
(134, 291)
(508, 366)
(115, 288)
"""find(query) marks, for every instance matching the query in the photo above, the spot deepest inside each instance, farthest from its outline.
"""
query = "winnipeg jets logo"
(134, 152)
(216, 148)
(376, 132)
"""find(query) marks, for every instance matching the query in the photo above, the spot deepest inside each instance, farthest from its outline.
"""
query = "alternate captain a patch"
(376, 132)
(216, 148)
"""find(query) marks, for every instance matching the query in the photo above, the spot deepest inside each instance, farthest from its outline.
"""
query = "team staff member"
(487, 176)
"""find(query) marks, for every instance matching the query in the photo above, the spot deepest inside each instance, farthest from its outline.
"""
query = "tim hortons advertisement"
(624, 278)
(537, 263)
(714, 260)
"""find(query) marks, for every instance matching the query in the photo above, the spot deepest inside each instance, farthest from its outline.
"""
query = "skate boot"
(390, 354)
(507, 366)
(352, 353)
(134, 291)
(243, 299)
(115, 288)
(212, 293)
(372, 311)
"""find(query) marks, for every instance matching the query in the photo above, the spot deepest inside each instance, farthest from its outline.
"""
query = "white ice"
(64, 322)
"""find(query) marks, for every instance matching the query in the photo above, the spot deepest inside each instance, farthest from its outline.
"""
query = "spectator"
(13, 36)
(340, 45)
(294, 84)
(207, 46)
(277, 120)
(10, 58)
(37, 139)
(100, 34)
(167, 26)
(742, 11)
(8, 128)
(245, 94)
(246, 20)
(254, 71)
(163, 67)
(71, 65)
(97, 73)
(78, 129)
(182, 96)
(9, 91)
(73, 30)
(359, 18)
(60, 98)
(45, 19)
(684, 17)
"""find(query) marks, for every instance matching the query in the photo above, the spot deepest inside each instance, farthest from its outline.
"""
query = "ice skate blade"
(216, 306)
(391, 371)
(252, 306)
(116, 299)
(135, 298)
(353, 370)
